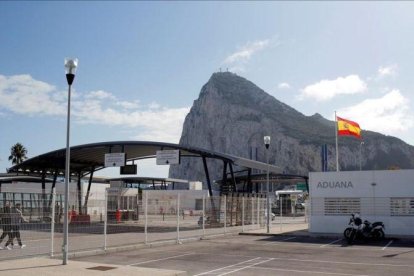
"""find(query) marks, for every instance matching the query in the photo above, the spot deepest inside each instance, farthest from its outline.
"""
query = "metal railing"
(142, 219)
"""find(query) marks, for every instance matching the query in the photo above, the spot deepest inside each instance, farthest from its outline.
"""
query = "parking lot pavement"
(294, 228)
(272, 255)
(52, 267)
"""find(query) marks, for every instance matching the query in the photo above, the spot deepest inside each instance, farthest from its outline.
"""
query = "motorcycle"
(363, 230)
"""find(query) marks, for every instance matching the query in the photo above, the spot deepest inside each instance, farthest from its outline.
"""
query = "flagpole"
(336, 142)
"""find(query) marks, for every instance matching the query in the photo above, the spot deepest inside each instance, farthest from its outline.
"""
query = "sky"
(142, 64)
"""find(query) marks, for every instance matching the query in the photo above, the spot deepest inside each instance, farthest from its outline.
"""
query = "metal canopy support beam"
(224, 179)
(85, 207)
(249, 181)
(207, 176)
(257, 187)
(53, 186)
(43, 193)
(213, 207)
(232, 177)
(79, 193)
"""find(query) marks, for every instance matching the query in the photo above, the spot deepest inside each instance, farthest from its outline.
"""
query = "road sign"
(128, 169)
(115, 159)
(168, 157)
(301, 186)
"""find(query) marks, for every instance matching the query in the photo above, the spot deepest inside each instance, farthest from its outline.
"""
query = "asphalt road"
(272, 255)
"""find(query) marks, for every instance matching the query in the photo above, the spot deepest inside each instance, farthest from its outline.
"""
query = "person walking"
(6, 224)
(16, 218)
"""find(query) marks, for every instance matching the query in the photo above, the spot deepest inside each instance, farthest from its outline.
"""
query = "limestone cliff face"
(232, 115)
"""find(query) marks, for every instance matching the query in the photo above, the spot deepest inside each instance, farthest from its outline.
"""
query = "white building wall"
(386, 196)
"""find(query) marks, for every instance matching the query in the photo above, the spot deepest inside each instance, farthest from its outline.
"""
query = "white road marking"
(287, 239)
(236, 267)
(388, 244)
(151, 261)
(249, 266)
(336, 262)
(331, 243)
(313, 261)
(309, 271)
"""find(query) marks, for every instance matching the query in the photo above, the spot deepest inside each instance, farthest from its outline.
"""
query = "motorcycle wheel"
(379, 235)
(347, 233)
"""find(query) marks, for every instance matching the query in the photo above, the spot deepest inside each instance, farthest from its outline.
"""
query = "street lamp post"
(267, 144)
(70, 67)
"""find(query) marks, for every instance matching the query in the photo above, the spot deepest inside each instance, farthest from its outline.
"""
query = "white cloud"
(128, 105)
(165, 125)
(388, 114)
(386, 71)
(238, 60)
(238, 69)
(100, 95)
(327, 89)
(154, 105)
(156, 123)
(245, 52)
(283, 85)
(24, 95)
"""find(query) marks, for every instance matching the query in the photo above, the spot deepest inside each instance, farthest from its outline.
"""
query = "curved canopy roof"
(91, 157)
(136, 179)
(22, 178)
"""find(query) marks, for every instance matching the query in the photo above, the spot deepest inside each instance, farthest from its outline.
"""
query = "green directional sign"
(301, 186)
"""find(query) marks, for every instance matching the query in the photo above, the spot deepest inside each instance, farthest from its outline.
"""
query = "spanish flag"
(347, 127)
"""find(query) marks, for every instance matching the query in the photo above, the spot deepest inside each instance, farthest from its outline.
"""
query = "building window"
(402, 206)
(336, 206)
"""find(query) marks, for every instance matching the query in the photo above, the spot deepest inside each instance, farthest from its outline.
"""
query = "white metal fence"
(106, 221)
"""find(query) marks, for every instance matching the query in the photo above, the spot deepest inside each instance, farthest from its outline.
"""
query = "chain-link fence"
(119, 218)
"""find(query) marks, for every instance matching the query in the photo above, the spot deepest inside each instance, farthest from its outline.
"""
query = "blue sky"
(142, 64)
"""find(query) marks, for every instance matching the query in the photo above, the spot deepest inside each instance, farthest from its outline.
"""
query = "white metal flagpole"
(336, 141)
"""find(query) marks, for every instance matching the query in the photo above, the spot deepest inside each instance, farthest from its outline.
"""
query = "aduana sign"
(335, 185)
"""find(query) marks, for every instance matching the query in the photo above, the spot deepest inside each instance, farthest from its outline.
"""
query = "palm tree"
(17, 154)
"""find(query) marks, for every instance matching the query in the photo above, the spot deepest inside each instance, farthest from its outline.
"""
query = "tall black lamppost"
(267, 144)
(70, 68)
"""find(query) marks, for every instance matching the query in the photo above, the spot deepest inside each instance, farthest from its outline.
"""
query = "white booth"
(386, 196)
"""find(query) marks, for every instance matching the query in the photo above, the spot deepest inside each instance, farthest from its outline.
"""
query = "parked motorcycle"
(363, 230)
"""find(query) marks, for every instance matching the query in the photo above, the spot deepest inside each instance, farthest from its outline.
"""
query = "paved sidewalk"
(53, 267)
(296, 229)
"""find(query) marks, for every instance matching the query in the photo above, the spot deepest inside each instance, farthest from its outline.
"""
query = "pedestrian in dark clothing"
(6, 221)
(16, 218)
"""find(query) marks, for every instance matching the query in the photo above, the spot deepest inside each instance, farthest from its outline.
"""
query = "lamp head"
(267, 141)
(71, 65)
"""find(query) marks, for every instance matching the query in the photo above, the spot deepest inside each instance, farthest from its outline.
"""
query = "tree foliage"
(17, 154)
